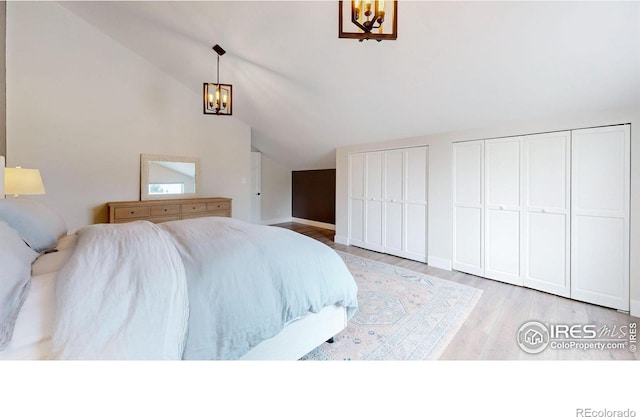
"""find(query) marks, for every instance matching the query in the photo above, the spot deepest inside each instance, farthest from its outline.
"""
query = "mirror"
(166, 176)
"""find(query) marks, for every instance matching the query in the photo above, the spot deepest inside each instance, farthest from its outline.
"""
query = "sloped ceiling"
(454, 66)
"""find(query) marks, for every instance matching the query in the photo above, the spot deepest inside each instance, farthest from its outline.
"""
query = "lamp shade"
(19, 181)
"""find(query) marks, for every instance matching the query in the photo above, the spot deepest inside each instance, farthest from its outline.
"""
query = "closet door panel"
(600, 216)
(373, 174)
(356, 199)
(416, 174)
(356, 223)
(468, 240)
(546, 173)
(503, 246)
(468, 207)
(394, 218)
(599, 171)
(547, 267)
(415, 203)
(502, 172)
(374, 204)
(547, 165)
(599, 258)
(416, 245)
(394, 183)
(356, 175)
(394, 175)
(468, 172)
(503, 210)
(373, 231)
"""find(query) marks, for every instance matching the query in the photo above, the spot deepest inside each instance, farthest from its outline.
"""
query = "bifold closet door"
(405, 203)
(546, 234)
(468, 207)
(415, 203)
(600, 215)
(503, 210)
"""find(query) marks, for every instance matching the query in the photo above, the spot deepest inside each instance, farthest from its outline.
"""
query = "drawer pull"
(133, 212)
(165, 210)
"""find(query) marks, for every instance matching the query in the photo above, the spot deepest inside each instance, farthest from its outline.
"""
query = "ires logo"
(534, 337)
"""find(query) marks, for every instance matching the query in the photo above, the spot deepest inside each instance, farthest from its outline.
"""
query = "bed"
(199, 289)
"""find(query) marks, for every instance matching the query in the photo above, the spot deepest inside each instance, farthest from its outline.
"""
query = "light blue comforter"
(207, 288)
(245, 282)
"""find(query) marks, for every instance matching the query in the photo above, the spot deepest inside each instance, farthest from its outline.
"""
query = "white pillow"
(15, 279)
(34, 221)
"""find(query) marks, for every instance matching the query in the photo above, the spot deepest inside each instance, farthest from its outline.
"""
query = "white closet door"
(503, 210)
(546, 234)
(416, 174)
(600, 216)
(356, 199)
(468, 207)
(374, 221)
(394, 181)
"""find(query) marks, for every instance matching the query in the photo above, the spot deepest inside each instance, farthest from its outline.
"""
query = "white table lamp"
(21, 181)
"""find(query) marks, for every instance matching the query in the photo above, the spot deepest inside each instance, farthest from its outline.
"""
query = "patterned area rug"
(403, 315)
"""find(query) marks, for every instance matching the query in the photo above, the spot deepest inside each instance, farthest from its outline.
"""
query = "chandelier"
(367, 19)
(217, 97)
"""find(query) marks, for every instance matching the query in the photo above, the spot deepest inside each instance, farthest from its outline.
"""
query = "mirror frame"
(144, 176)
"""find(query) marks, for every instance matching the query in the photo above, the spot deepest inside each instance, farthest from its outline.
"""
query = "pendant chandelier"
(217, 97)
(368, 19)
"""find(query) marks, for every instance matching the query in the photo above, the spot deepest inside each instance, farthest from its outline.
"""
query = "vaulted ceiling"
(454, 66)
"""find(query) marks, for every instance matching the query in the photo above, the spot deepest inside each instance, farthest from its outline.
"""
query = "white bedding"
(32, 338)
(34, 326)
(121, 295)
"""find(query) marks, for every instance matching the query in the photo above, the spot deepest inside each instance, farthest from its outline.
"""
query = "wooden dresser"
(158, 211)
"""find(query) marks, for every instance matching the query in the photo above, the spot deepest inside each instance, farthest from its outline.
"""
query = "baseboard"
(441, 263)
(314, 223)
(277, 221)
(343, 240)
(634, 308)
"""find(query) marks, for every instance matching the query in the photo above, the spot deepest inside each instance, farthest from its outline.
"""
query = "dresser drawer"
(194, 208)
(165, 210)
(132, 212)
(222, 205)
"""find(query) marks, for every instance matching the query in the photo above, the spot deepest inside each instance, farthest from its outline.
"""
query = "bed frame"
(301, 336)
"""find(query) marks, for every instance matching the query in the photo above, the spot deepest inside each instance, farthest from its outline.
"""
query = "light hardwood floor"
(490, 331)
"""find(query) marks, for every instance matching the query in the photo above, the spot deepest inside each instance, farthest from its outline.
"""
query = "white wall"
(440, 179)
(276, 192)
(82, 108)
